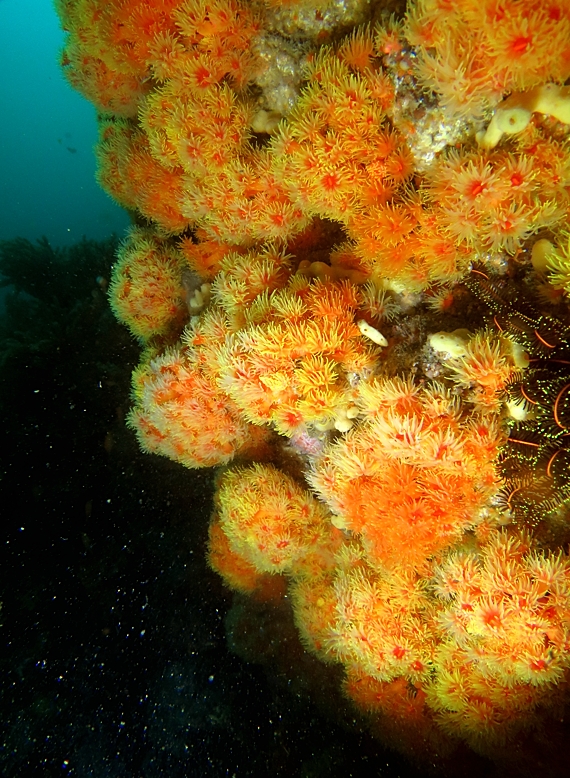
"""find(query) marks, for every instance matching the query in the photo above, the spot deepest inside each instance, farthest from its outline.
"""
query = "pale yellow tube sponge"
(513, 114)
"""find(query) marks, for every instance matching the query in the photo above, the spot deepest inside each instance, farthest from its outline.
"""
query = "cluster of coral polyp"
(316, 188)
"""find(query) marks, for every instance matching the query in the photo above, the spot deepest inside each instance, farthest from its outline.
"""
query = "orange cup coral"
(313, 212)
(268, 519)
(147, 292)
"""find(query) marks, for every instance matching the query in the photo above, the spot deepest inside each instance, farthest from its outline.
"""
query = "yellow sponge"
(513, 114)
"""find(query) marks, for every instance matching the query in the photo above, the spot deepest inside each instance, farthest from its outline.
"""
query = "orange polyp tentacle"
(525, 395)
(512, 494)
(551, 461)
(543, 341)
(555, 407)
(524, 442)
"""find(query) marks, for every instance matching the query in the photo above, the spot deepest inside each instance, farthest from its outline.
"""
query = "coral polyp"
(147, 290)
(350, 274)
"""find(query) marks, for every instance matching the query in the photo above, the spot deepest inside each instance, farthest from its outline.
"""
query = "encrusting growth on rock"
(350, 274)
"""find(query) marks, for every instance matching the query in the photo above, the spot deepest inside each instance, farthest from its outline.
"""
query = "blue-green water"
(47, 132)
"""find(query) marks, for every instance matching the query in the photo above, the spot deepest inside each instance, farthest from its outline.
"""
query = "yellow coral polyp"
(558, 265)
(513, 114)
(485, 365)
(398, 458)
(470, 52)
(147, 285)
(269, 520)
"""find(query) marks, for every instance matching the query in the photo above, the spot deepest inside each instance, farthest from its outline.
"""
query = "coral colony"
(349, 272)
